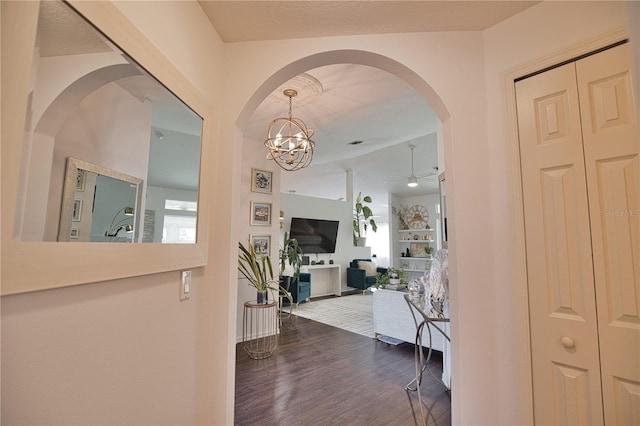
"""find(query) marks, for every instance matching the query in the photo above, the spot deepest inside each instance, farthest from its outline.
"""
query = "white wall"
(319, 208)
(253, 156)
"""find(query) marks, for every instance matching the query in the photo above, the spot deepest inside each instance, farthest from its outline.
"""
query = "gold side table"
(260, 329)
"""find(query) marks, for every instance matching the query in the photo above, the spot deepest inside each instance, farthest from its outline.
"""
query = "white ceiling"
(278, 20)
(355, 102)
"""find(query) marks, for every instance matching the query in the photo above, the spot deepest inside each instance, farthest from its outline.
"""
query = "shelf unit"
(419, 238)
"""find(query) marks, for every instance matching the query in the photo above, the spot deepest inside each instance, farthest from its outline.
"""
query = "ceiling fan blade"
(426, 175)
(396, 180)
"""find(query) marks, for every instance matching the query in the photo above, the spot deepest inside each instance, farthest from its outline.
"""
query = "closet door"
(579, 147)
(563, 325)
(611, 146)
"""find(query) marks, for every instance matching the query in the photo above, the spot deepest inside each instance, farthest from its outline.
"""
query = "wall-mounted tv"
(315, 235)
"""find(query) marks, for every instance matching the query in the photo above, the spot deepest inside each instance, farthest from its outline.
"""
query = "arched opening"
(302, 65)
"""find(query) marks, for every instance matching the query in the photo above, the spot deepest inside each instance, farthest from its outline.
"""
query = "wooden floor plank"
(322, 375)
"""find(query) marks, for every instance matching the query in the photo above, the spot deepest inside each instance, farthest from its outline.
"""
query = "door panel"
(565, 361)
(611, 145)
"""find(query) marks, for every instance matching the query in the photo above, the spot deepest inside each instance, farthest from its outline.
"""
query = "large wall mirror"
(92, 102)
(101, 144)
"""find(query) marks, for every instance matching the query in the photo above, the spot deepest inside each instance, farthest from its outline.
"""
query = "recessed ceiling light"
(355, 143)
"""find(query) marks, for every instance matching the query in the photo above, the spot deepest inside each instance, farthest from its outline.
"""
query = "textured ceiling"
(355, 102)
(276, 20)
(342, 103)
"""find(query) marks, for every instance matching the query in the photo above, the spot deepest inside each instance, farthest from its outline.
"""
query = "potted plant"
(290, 253)
(258, 270)
(429, 251)
(393, 277)
(401, 212)
(362, 215)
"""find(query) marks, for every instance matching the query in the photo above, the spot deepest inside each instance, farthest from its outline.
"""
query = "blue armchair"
(357, 278)
(300, 289)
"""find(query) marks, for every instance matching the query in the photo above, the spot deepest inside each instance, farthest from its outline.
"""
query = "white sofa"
(392, 317)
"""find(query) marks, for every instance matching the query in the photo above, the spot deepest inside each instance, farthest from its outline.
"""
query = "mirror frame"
(29, 266)
(69, 192)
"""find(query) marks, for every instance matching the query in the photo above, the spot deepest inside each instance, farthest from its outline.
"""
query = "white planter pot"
(362, 241)
(394, 281)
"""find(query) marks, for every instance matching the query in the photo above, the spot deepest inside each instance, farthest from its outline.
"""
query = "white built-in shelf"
(415, 230)
(415, 258)
(416, 241)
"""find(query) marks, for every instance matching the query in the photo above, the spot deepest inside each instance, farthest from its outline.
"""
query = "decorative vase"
(262, 297)
(414, 291)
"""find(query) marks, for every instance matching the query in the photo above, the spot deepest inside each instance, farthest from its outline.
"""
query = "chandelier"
(289, 141)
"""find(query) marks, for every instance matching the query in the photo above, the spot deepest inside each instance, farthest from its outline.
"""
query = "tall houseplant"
(290, 253)
(362, 214)
(258, 270)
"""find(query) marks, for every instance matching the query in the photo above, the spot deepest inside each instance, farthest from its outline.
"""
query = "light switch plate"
(185, 285)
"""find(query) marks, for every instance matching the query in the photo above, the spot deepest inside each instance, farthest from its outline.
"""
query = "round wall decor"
(417, 217)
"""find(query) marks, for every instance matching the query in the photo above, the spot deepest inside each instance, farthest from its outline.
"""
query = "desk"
(422, 320)
(260, 329)
(325, 279)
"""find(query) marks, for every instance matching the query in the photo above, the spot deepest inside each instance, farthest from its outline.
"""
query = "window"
(180, 225)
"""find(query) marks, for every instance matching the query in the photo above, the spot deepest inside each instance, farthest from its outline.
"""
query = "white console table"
(325, 279)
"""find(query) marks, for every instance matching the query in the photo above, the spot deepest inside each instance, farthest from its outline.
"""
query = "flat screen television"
(315, 235)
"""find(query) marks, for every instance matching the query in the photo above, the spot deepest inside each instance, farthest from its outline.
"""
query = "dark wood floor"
(322, 375)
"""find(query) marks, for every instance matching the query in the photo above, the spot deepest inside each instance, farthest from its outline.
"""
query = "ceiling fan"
(412, 180)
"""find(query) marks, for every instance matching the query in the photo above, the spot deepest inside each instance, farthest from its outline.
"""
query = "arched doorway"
(302, 65)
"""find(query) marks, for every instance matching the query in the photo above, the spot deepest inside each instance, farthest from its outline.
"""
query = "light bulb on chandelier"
(291, 147)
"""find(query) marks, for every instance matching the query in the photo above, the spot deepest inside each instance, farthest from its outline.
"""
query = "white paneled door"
(580, 166)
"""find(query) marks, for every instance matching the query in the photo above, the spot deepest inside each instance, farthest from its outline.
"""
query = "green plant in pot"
(290, 261)
(362, 218)
(258, 270)
(393, 276)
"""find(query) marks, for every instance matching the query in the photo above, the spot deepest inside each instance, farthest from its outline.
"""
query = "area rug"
(352, 313)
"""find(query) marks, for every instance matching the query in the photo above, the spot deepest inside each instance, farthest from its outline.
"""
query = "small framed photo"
(260, 214)
(81, 177)
(261, 244)
(76, 214)
(261, 181)
(74, 234)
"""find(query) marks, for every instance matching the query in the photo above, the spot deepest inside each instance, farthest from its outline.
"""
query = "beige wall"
(127, 351)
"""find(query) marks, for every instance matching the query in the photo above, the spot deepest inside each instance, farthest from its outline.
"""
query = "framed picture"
(261, 180)
(261, 244)
(74, 234)
(76, 213)
(260, 214)
(81, 177)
